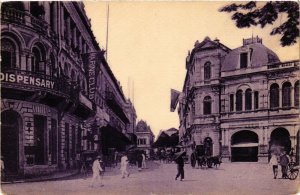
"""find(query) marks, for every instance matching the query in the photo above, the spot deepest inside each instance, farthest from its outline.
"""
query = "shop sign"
(26, 80)
(91, 62)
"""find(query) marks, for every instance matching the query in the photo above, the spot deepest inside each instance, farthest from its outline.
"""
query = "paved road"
(230, 178)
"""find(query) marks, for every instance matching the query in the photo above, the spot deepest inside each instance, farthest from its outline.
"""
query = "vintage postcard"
(150, 97)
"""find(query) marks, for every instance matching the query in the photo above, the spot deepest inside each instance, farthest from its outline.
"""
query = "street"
(159, 178)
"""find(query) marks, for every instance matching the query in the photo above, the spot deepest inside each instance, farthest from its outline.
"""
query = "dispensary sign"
(26, 80)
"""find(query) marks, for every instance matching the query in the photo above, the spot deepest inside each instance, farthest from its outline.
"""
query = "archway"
(280, 140)
(10, 128)
(244, 146)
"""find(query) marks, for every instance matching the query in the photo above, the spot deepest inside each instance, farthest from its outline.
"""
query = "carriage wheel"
(209, 164)
(293, 174)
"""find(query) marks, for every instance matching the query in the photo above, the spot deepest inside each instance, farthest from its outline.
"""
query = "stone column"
(292, 96)
(280, 98)
(243, 102)
(252, 100)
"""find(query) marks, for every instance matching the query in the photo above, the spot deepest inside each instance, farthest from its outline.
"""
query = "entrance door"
(244, 147)
(10, 141)
(280, 141)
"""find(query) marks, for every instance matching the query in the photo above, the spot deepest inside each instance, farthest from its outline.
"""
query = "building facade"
(53, 105)
(145, 137)
(241, 103)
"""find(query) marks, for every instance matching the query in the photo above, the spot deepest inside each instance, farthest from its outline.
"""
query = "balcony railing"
(12, 15)
(283, 65)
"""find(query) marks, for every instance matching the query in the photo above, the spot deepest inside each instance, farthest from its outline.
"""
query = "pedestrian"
(284, 161)
(97, 171)
(143, 161)
(180, 164)
(116, 158)
(2, 169)
(78, 162)
(139, 160)
(274, 163)
(124, 166)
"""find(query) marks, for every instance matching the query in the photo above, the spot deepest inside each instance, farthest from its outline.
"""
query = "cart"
(292, 170)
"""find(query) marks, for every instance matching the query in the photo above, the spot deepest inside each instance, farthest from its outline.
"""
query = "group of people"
(282, 160)
(98, 170)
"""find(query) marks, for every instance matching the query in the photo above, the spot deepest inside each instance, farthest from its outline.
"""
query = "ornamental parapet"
(294, 63)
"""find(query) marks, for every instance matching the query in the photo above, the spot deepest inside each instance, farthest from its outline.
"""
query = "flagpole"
(107, 23)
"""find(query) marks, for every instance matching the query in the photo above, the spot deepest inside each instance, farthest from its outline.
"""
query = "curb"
(40, 179)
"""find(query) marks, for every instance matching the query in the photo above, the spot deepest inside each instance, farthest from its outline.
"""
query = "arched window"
(296, 94)
(248, 99)
(239, 100)
(207, 105)
(38, 60)
(286, 94)
(256, 100)
(231, 102)
(274, 96)
(207, 70)
(8, 54)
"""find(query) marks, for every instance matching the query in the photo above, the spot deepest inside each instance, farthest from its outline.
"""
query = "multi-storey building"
(53, 103)
(241, 103)
(145, 137)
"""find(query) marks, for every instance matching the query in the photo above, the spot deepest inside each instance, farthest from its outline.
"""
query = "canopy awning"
(244, 145)
(113, 138)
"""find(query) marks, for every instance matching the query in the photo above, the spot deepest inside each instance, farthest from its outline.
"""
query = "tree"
(249, 14)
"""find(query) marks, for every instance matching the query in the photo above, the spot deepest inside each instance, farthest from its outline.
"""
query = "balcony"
(283, 65)
(115, 107)
(14, 16)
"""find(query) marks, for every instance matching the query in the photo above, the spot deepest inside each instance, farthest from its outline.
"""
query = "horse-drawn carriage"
(203, 157)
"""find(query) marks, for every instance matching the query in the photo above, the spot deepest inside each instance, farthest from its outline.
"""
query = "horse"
(216, 160)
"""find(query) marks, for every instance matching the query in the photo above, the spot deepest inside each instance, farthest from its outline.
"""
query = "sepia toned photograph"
(150, 97)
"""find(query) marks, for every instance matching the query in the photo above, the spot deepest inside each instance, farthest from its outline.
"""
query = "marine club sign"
(91, 63)
(26, 80)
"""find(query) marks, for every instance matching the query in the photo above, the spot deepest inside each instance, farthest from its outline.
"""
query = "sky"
(148, 43)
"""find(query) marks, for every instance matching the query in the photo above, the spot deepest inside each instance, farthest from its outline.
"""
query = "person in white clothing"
(124, 165)
(144, 161)
(97, 169)
(274, 163)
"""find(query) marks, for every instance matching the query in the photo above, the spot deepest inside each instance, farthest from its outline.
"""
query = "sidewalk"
(54, 176)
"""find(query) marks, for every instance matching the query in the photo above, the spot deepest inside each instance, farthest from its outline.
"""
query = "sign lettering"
(91, 63)
(27, 80)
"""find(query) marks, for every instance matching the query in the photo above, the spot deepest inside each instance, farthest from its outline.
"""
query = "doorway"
(10, 128)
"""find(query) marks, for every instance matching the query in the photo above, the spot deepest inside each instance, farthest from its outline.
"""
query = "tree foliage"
(249, 14)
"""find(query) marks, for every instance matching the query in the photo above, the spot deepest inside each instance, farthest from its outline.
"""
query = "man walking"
(97, 170)
(284, 161)
(124, 165)
(143, 161)
(180, 164)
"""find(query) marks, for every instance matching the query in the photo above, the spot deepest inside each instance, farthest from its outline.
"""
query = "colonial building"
(59, 97)
(145, 137)
(241, 103)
